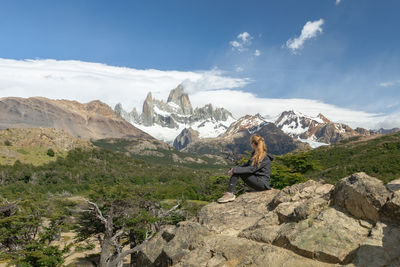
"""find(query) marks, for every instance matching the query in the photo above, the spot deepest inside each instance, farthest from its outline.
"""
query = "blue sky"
(350, 59)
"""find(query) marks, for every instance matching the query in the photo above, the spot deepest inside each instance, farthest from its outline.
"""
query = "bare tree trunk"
(112, 254)
(106, 244)
(132, 244)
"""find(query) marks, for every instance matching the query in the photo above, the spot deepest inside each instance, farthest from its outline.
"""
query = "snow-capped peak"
(165, 120)
(247, 123)
(296, 123)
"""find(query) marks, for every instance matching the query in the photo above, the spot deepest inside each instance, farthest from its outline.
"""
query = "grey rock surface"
(361, 195)
(315, 231)
(187, 136)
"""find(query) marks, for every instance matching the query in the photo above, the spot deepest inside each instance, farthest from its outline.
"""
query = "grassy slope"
(31, 155)
(30, 145)
(378, 157)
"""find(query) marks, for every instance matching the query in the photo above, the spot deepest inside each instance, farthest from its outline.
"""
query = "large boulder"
(361, 195)
(148, 254)
(299, 192)
(227, 251)
(187, 136)
(330, 237)
(297, 202)
(391, 209)
(231, 218)
(264, 230)
(381, 248)
(187, 236)
(394, 186)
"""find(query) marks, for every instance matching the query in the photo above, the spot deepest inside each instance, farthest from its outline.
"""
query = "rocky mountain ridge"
(354, 223)
(170, 121)
(236, 140)
(93, 120)
(317, 129)
(165, 120)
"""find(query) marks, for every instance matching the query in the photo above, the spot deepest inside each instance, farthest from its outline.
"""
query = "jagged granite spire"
(179, 97)
(147, 111)
(176, 114)
(132, 117)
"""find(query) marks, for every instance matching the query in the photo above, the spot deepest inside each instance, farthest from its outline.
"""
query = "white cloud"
(386, 84)
(389, 122)
(257, 53)
(242, 43)
(239, 69)
(338, 2)
(310, 30)
(389, 83)
(213, 80)
(245, 37)
(241, 103)
(84, 81)
(235, 44)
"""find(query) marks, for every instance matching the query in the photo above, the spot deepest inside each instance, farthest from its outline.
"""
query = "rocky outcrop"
(30, 145)
(93, 120)
(186, 137)
(306, 224)
(56, 139)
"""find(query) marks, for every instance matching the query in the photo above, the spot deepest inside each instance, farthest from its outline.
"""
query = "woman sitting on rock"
(255, 173)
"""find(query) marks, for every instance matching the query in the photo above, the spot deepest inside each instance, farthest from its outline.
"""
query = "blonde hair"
(260, 150)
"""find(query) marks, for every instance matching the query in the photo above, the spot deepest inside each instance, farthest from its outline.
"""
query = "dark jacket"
(264, 169)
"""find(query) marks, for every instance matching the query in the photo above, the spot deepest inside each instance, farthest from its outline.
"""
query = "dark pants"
(256, 182)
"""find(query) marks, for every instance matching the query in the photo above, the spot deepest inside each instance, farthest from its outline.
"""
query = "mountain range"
(165, 120)
(208, 128)
(203, 130)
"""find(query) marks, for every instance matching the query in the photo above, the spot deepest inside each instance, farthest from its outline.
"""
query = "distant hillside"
(30, 145)
(93, 120)
(159, 152)
(378, 157)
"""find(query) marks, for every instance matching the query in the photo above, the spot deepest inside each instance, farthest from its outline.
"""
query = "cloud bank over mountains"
(84, 82)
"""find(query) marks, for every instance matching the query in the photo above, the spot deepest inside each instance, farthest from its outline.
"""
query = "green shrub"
(282, 176)
(50, 152)
(36, 254)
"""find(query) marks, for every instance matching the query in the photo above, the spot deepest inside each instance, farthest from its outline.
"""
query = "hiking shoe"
(227, 197)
